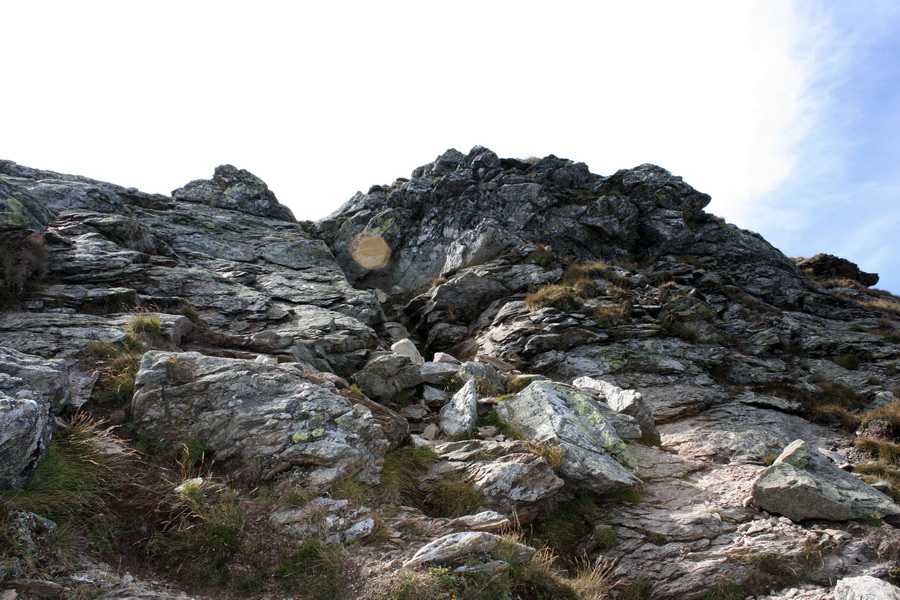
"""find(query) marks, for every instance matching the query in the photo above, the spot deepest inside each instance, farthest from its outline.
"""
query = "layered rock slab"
(594, 456)
(267, 418)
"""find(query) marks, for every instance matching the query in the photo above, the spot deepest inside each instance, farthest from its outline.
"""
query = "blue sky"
(843, 193)
(782, 110)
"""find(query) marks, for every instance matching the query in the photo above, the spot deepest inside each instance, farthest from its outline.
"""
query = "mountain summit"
(472, 382)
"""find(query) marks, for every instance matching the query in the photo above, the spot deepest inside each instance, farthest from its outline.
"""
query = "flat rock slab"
(802, 484)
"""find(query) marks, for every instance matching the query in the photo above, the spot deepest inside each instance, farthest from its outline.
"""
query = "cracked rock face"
(267, 418)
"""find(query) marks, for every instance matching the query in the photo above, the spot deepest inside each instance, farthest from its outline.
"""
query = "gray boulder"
(628, 402)
(865, 587)
(387, 375)
(32, 389)
(485, 376)
(594, 456)
(460, 414)
(266, 418)
(235, 189)
(802, 484)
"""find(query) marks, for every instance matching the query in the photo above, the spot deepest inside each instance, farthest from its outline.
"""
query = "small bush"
(146, 324)
(586, 288)
(74, 477)
(504, 428)
(205, 535)
(121, 361)
(542, 257)
(311, 570)
(607, 316)
(552, 453)
(566, 524)
(871, 519)
(606, 538)
(555, 296)
(400, 476)
(451, 495)
(850, 362)
(21, 263)
(883, 451)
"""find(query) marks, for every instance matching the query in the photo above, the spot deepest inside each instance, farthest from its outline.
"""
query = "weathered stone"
(388, 374)
(325, 519)
(436, 373)
(486, 376)
(827, 266)
(460, 414)
(594, 457)
(801, 484)
(266, 418)
(487, 520)
(457, 548)
(865, 587)
(628, 402)
(408, 349)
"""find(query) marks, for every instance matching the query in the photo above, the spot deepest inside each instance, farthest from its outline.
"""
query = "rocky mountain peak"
(363, 406)
(463, 210)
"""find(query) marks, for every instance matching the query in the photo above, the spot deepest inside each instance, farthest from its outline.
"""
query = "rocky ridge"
(617, 373)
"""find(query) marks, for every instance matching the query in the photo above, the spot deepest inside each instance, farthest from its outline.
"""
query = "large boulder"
(865, 587)
(235, 189)
(387, 376)
(267, 419)
(594, 456)
(802, 484)
(511, 477)
(32, 389)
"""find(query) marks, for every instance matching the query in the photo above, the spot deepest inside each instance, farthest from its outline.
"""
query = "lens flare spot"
(370, 251)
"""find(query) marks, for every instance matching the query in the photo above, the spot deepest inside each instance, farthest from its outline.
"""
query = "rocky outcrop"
(594, 458)
(695, 351)
(267, 418)
(802, 484)
(865, 587)
(235, 189)
(828, 266)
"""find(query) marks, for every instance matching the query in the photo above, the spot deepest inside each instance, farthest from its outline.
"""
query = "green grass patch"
(311, 570)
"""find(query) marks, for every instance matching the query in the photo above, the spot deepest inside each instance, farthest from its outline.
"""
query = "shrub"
(121, 362)
(542, 256)
(451, 495)
(555, 296)
(566, 524)
(552, 453)
(400, 476)
(21, 263)
(203, 537)
(145, 324)
(586, 288)
(311, 570)
(850, 362)
(607, 316)
(504, 428)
